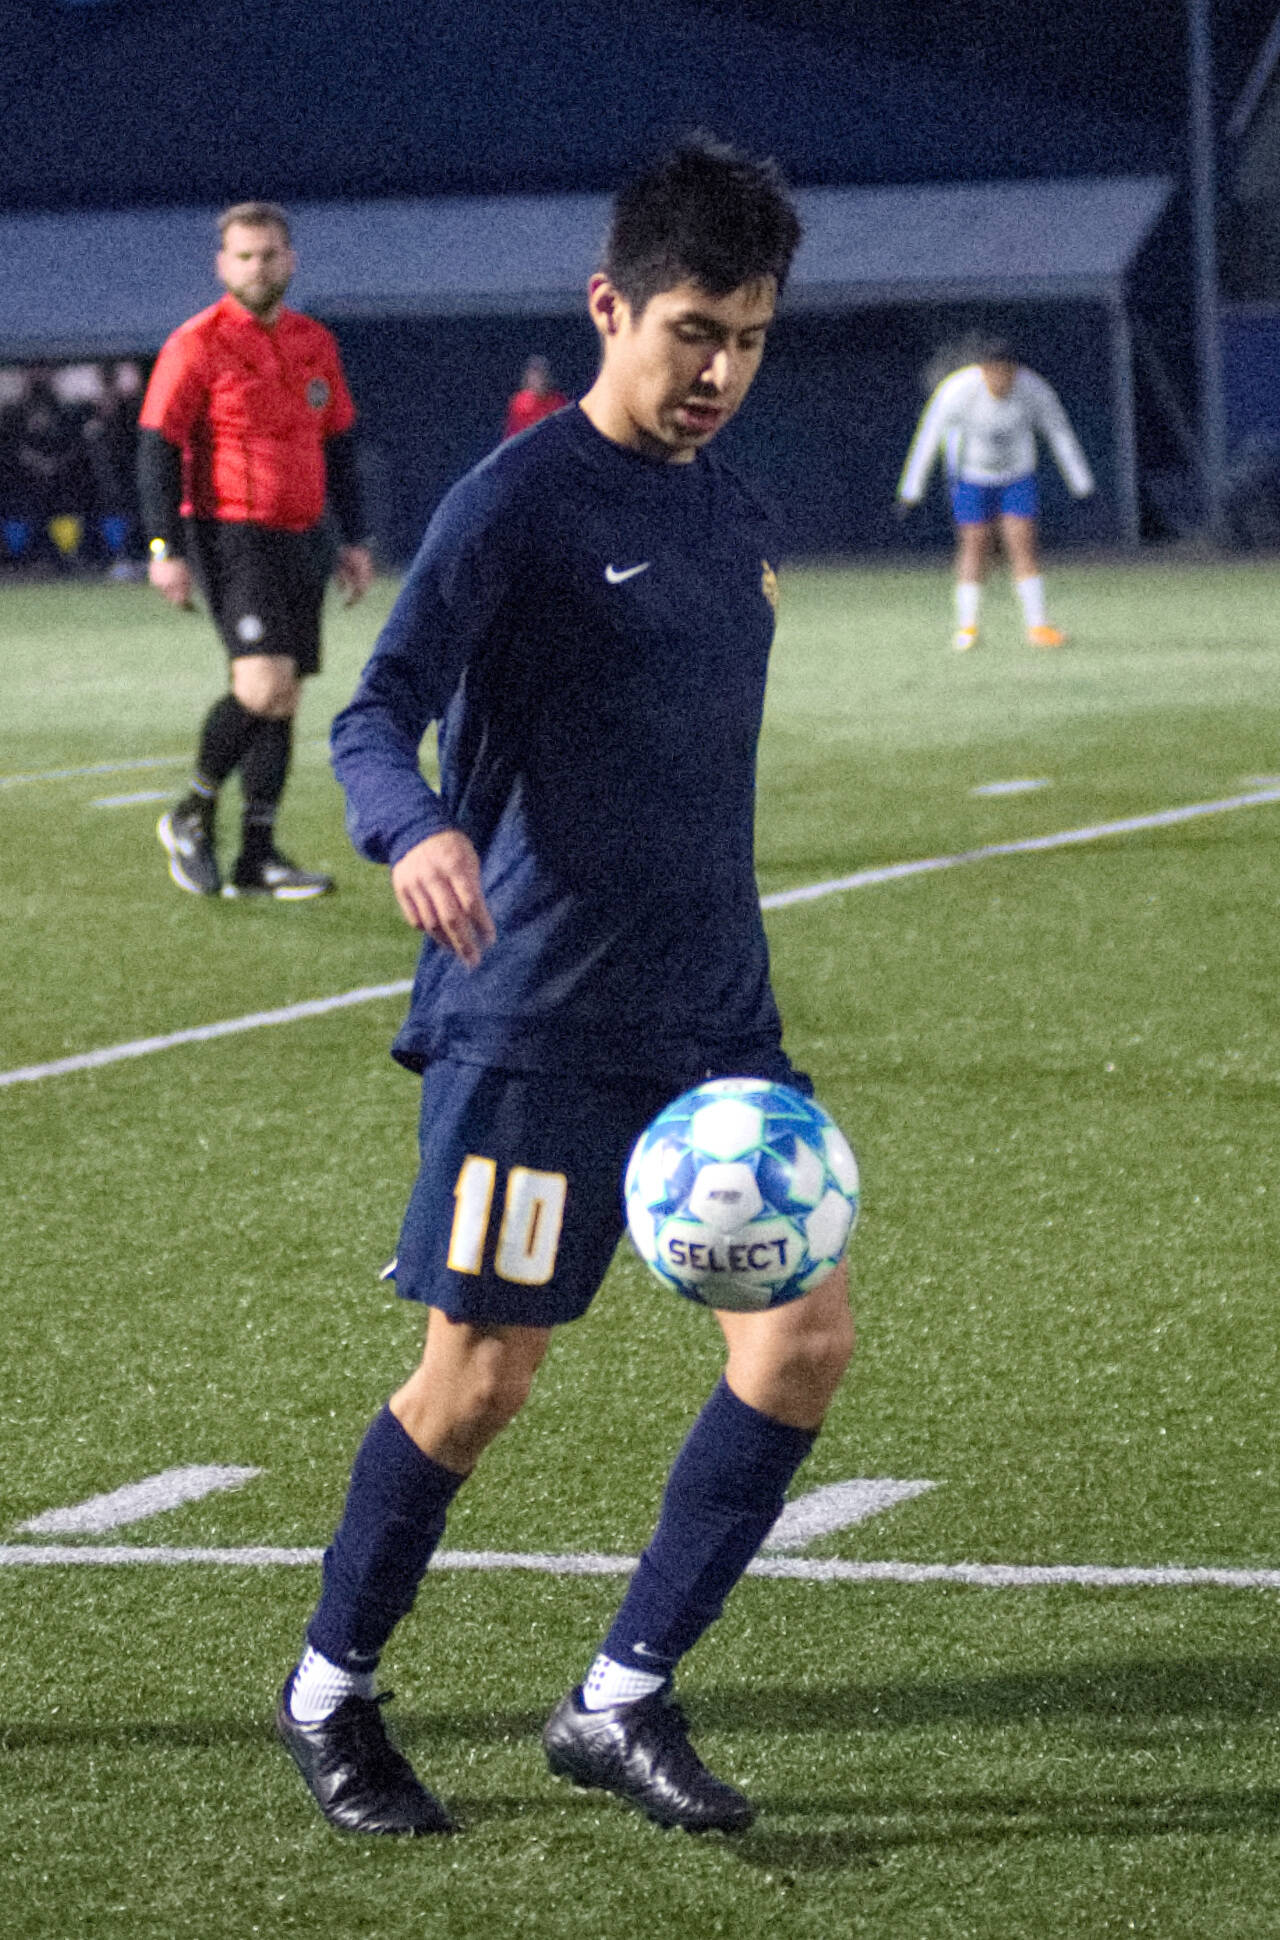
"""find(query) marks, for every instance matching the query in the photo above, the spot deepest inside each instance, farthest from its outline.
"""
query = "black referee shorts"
(264, 587)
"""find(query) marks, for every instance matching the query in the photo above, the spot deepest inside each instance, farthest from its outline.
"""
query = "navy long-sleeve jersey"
(591, 630)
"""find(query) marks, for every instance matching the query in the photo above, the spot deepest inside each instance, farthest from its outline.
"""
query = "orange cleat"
(964, 638)
(1046, 636)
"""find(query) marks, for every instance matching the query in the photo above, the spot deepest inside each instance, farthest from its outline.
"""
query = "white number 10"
(532, 1215)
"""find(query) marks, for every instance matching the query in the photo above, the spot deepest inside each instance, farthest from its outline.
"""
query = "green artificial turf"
(1060, 1072)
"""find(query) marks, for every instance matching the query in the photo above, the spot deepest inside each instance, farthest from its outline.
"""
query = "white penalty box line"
(797, 1569)
(783, 899)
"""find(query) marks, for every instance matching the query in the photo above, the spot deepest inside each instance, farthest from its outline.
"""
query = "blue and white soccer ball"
(741, 1194)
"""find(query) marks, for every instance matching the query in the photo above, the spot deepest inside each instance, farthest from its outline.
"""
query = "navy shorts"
(264, 588)
(517, 1209)
(980, 504)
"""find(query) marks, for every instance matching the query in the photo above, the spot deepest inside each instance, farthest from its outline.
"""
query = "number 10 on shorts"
(532, 1215)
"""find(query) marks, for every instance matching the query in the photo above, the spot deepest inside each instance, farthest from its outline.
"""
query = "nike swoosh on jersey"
(616, 574)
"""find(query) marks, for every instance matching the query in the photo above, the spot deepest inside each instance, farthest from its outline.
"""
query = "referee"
(245, 437)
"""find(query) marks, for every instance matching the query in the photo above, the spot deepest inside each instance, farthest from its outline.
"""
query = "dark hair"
(705, 214)
(995, 350)
(254, 215)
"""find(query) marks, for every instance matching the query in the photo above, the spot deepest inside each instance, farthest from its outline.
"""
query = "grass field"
(1061, 1071)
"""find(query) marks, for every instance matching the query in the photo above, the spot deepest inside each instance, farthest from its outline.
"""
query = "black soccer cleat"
(642, 1752)
(355, 1774)
(274, 875)
(192, 862)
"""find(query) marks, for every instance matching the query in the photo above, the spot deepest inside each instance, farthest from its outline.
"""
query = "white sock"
(1031, 593)
(968, 600)
(608, 1683)
(319, 1687)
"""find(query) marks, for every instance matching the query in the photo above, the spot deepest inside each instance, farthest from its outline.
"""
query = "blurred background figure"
(13, 385)
(110, 432)
(536, 398)
(985, 418)
(46, 480)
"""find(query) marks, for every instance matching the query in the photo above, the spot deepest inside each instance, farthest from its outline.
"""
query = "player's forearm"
(374, 745)
(919, 462)
(160, 492)
(1073, 464)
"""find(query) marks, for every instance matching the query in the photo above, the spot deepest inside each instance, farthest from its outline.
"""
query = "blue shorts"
(981, 504)
(517, 1209)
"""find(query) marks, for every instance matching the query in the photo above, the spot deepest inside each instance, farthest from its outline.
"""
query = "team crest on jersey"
(769, 584)
(317, 393)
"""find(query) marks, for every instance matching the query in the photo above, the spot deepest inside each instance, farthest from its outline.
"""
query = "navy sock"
(723, 1496)
(395, 1512)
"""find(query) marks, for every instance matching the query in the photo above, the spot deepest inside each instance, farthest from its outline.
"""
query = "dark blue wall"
(192, 101)
(823, 434)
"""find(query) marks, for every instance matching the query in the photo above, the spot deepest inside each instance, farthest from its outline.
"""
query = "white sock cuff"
(319, 1687)
(608, 1683)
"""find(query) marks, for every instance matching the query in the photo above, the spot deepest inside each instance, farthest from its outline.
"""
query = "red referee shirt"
(250, 406)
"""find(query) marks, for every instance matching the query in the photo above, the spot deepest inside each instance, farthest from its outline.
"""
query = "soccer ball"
(741, 1194)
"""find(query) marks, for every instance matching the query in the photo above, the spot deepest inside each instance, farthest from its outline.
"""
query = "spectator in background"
(985, 418)
(110, 433)
(537, 398)
(13, 532)
(47, 475)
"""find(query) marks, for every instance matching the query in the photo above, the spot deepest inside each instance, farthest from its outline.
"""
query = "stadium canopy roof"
(105, 284)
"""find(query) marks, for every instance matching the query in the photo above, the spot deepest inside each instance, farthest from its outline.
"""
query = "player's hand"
(172, 580)
(354, 572)
(437, 886)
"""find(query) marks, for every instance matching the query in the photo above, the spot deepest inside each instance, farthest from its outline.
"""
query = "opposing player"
(985, 418)
(590, 618)
(246, 433)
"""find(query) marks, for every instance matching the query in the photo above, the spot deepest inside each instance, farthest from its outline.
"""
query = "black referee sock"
(264, 763)
(264, 768)
(227, 732)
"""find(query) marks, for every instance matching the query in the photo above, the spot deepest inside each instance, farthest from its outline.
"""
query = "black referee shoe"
(642, 1752)
(274, 875)
(355, 1774)
(192, 862)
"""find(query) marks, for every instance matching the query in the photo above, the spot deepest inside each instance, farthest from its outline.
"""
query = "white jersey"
(992, 440)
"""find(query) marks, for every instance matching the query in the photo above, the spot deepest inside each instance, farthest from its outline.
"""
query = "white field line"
(1163, 818)
(128, 801)
(783, 899)
(799, 1569)
(142, 1047)
(96, 768)
(839, 1505)
(137, 1500)
(126, 766)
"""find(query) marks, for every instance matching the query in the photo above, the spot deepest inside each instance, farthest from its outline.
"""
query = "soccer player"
(589, 618)
(536, 399)
(246, 434)
(985, 418)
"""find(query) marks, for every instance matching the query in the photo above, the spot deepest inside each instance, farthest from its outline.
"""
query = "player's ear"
(606, 305)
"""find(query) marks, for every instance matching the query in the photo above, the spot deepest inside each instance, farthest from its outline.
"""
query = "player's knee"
(823, 1356)
(497, 1388)
(265, 688)
(815, 1358)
